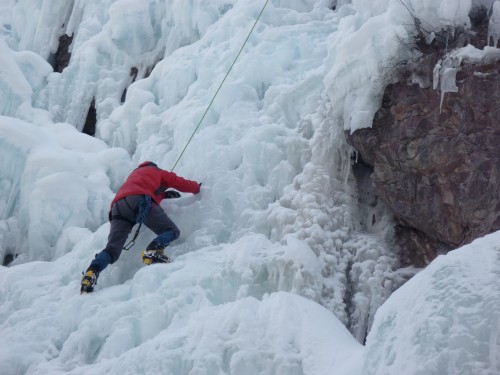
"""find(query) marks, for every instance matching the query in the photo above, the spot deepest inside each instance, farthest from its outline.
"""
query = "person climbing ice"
(138, 201)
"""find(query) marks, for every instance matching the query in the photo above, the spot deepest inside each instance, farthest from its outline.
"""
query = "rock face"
(437, 170)
(62, 55)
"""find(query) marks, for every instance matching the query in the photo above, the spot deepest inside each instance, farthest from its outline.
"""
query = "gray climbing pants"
(124, 213)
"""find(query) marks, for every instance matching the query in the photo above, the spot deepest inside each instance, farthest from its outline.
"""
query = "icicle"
(429, 38)
(445, 73)
(448, 84)
(435, 74)
(494, 24)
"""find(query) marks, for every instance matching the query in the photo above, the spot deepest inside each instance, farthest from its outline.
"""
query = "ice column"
(445, 73)
(494, 24)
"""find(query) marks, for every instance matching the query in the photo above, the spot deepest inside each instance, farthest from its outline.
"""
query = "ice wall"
(286, 161)
(111, 39)
(22, 76)
(270, 152)
(52, 178)
(37, 25)
(278, 211)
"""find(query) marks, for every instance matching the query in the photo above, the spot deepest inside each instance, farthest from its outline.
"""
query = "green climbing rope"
(218, 89)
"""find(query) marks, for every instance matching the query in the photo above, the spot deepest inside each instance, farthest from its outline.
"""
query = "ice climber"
(138, 201)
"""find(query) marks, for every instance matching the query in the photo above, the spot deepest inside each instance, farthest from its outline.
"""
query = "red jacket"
(148, 179)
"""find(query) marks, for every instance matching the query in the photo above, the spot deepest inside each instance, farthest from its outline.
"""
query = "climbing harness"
(142, 213)
(216, 92)
(144, 206)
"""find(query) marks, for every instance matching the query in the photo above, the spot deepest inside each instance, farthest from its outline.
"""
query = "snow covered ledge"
(446, 69)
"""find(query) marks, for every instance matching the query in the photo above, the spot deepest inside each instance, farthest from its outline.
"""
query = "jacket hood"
(147, 164)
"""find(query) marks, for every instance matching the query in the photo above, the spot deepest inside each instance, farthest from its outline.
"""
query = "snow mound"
(445, 320)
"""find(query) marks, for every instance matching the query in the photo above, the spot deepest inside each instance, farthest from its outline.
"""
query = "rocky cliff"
(437, 168)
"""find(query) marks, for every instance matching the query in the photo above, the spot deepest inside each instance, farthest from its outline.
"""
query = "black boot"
(154, 254)
(89, 280)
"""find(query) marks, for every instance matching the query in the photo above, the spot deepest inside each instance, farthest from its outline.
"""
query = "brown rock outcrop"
(437, 170)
